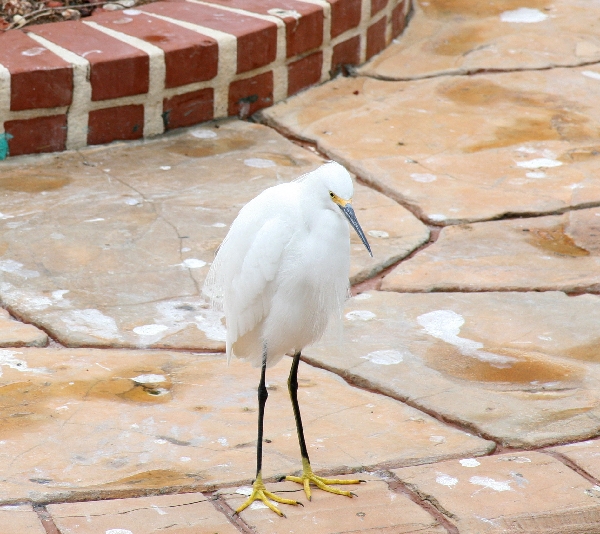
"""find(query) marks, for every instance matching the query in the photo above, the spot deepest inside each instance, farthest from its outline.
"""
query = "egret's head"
(339, 184)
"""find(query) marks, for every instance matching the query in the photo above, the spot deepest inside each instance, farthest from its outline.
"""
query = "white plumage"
(282, 271)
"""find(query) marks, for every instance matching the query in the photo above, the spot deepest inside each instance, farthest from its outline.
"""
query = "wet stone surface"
(376, 509)
(141, 422)
(462, 36)
(191, 513)
(533, 254)
(110, 246)
(521, 368)
(521, 492)
(461, 149)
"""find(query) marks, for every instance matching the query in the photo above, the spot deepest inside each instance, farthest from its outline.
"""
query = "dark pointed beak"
(351, 216)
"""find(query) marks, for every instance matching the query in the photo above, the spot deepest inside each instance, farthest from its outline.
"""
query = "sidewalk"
(466, 389)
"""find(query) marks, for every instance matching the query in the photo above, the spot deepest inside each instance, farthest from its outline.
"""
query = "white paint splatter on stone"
(384, 357)
(193, 263)
(487, 482)
(365, 296)
(16, 268)
(437, 217)
(150, 329)
(378, 233)
(149, 379)
(423, 177)
(8, 359)
(446, 324)
(360, 315)
(469, 462)
(539, 163)
(259, 163)
(591, 74)
(523, 15)
(91, 322)
(203, 133)
(446, 480)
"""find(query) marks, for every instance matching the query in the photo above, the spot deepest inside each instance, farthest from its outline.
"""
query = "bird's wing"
(241, 280)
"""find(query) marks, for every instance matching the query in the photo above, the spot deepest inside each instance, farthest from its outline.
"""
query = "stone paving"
(465, 388)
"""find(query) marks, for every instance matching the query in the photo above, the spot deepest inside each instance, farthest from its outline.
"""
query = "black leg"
(263, 394)
(259, 491)
(293, 389)
(307, 473)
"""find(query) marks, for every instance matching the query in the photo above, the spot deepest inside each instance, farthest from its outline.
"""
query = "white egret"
(280, 274)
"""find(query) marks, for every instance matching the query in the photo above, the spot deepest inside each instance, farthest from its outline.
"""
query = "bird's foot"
(322, 483)
(260, 493)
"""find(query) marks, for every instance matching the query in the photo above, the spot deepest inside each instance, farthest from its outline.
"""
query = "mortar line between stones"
(222, 506)
(571, 465)
(46, 519)
(466, 72)
(430, 505)
(52, 340)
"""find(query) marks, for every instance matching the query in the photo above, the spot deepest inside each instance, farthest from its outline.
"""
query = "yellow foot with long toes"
(322, 483)
(260, 493)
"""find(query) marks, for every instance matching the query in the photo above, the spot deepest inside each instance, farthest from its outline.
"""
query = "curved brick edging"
(139, 72)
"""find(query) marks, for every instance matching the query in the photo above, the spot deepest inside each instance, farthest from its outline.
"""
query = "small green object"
(4, 145)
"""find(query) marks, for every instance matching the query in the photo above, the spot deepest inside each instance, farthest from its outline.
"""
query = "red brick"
(304, 72)
(398, 20)
(112, 124)
(346, 53)
(257, 39)
(376, 38)
(38, 78)
(189, 56)
(190, 108)
(116, 68)
(302, 34)
(249, 95)
(345, 15)
(377, 6)
(33, 136)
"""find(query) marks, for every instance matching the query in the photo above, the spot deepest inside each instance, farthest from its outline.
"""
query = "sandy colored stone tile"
(191, 513)
(461, 148)
(91, 424)
(465, 36)
(560, 253)
(110, 246)
(585, 454)
(376, 508)
(521, 368)
(20, 519)
(522, 492)
(16, 334)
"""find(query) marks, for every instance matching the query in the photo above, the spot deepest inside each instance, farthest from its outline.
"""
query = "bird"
(279, 276)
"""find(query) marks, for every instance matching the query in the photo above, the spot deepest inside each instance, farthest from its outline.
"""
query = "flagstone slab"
(110, 246)
(20, 519)
(85, 424)
(16, 334)
(534, 254)
(466, 36)
(522, 492)
(191, 513)
(519, 368)
(585, 454)
(461, 148)
(376, 508)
